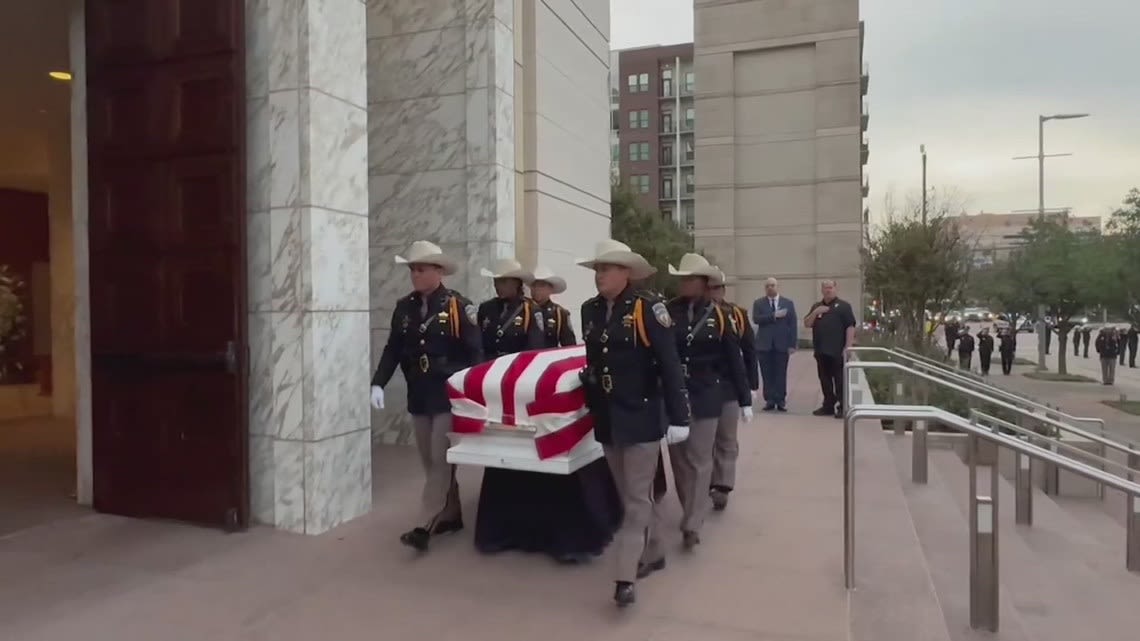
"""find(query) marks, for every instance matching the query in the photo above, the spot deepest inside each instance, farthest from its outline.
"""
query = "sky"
(968, 79)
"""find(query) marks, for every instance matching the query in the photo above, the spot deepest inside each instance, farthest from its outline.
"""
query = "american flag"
(538, 389)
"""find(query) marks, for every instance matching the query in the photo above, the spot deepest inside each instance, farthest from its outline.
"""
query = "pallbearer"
(709, 346)
(557, 329)
(636, 393)
(725, 447)
(433, 335)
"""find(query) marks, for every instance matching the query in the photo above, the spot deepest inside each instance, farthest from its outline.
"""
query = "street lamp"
(922, 150)
(1041, 210)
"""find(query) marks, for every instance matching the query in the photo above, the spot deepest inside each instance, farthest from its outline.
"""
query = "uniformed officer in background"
(726, 448)
(636, 393)
(1007, 347)
(558, 331)
(433, 335)
(510, 322)
(708, 342)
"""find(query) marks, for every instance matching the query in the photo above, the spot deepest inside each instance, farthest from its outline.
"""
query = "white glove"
(676, 434)
(746, 414)
(377, 397)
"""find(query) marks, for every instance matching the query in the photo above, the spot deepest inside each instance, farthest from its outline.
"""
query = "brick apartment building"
(652, 118)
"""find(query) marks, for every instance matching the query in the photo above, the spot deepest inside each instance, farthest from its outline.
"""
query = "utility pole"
(922, 150)
(1042, 327)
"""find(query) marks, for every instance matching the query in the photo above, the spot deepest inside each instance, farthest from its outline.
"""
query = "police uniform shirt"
(631, 359)
(509, 326)
(747, 346)
(829, 332)
(432, 336)
(709, 347)
(557, 330)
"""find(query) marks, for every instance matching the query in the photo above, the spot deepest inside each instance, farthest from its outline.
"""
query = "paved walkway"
(1127, 379)
(769, 568)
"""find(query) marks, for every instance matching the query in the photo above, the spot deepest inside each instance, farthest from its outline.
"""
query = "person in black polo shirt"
(832, 325)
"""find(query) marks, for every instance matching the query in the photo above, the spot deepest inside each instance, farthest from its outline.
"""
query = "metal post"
(1051, 484)
(918, 457)
(983, 548)
(922, 148)
(1041, 328)
(849, 500)
(1133, 555)
(896, 396)
(1023, 489)
(678, 215)
(1133, 461)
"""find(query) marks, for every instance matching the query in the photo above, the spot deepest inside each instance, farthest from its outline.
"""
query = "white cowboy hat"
(423, 252)
(545, 275)
(697, 265)
(612, 252)
(720, 278)
(508, 268)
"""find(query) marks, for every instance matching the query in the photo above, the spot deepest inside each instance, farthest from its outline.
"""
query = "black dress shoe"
(645, 569)
(839, 412)
(690, 539)
(444, 527)
(768, 407)
(574, 558)
(719, 499)
(624, 594)
(416, 538)
(781, 408)
(824, 411)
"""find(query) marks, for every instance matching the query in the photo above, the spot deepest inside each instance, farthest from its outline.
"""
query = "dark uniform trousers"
(432, 337)
(709, 348)
(726, 447)
(634, 389)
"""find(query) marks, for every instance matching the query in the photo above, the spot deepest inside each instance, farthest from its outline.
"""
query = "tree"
(12, 317)
(1061, 269)
(1123, 297)
(915, 267)
(1002, 287)
(648, 233)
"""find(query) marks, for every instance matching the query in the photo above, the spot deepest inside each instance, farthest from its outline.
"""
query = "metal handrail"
(996, 391)
(1059, 444)
(860, 412)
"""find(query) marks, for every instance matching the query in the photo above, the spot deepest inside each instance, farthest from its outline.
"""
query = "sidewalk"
(1127, 379)
(769, 568)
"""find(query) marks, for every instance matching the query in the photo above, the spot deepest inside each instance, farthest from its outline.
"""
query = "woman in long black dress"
(570, 517)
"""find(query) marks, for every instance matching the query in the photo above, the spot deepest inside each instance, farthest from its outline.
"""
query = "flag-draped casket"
(523, 411)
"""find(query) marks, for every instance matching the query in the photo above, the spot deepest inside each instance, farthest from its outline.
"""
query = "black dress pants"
(830, 369)
(1006, 362)
(985, 361)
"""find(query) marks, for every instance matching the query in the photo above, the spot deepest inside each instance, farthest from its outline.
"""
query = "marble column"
(62, 254)
(311, 465)
(441, 151)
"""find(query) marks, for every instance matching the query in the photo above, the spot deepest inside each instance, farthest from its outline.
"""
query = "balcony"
(866, 150)
(686, 128)
(866, 115)
(865, 79)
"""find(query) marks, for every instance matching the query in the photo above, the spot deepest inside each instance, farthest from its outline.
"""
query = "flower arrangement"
(12, 317)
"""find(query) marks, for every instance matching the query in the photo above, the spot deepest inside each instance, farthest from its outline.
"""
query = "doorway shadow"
(37, 473)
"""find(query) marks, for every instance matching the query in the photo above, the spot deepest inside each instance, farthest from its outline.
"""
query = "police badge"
(662, 315)
(472, 314)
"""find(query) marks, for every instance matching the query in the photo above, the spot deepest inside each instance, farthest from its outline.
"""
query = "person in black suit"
(776, 336)
(985, 349)
(832, 324)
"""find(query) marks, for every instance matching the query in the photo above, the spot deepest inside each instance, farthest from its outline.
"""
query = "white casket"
(523, 411)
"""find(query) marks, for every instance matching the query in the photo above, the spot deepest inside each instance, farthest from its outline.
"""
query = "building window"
(643, 118)
(690, 81)
(689, 188)
(666, 82)
(688, 217)
(690, 116)
(640, 183)
(615, 152)
(666, 187)
(667, 122)
(638, 151)
(667, 155)
(690, 155)
(632, 83)
(615, 119)
(633, 120)
(643, 82)
(667, 213)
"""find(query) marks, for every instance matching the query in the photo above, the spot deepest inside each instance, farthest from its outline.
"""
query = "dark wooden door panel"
(167, 234)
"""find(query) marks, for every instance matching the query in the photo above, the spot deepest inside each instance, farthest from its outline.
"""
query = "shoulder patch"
(472, 313)
(662, 314)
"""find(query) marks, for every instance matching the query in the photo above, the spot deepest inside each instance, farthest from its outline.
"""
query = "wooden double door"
(166, 196)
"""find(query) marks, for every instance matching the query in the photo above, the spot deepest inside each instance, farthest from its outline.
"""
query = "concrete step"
(894, 597)
(943, 532)
(1057, 575)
